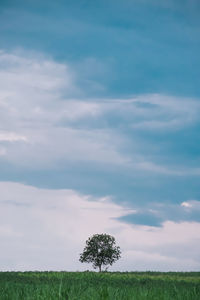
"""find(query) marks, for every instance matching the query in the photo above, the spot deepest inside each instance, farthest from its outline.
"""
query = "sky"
(100, 132)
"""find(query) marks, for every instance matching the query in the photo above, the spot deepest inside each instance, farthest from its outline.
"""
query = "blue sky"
(100, 109)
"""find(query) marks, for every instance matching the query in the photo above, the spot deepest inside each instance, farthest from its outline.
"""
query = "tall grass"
(99, 286)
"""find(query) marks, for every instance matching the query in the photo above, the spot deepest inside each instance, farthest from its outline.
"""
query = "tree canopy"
(100, 250)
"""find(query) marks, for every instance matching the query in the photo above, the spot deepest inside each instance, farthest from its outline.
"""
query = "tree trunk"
(100, 268)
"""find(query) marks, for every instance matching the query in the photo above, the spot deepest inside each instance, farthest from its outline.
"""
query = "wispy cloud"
(191, 205)
(157, 111)
(42, 112)
(167, 170)
(38, 106)
(156, 214)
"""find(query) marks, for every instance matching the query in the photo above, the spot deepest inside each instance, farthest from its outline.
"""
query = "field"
(99, 286)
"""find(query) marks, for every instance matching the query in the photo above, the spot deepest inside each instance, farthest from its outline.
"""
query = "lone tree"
(100, 250)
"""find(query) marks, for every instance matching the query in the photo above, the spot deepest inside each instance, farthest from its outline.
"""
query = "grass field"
(96, 286)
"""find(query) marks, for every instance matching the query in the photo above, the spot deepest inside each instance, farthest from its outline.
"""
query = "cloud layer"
(48, 126)
(46, 229)
(46, 121)
(37, 116)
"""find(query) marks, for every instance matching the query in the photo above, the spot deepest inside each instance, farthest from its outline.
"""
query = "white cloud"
(11, 137)
(44, 121)
(47, 229)
(191, 204)
(36, 106)
(186, 204)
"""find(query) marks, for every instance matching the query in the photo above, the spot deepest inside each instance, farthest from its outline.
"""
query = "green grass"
(99, 286)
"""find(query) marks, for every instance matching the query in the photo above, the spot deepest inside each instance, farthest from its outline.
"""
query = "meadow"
(99, 286)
